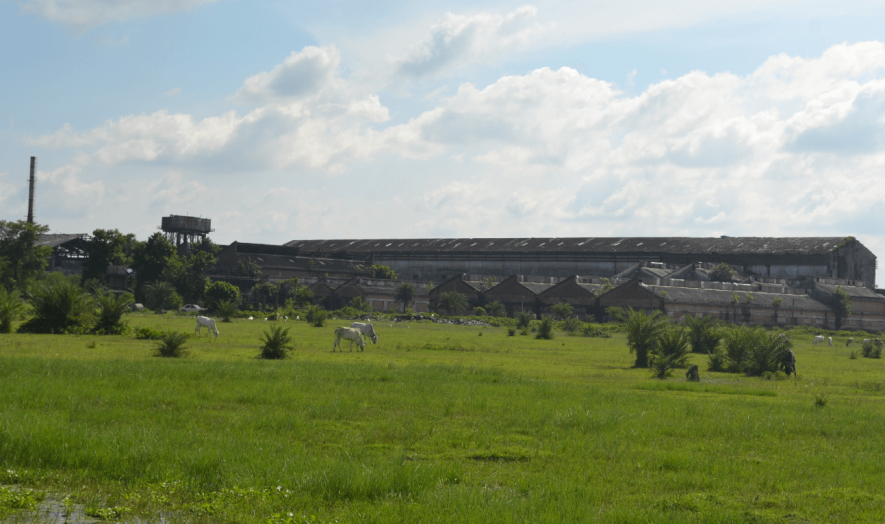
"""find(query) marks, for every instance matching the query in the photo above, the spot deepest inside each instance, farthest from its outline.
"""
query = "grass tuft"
(172, 345)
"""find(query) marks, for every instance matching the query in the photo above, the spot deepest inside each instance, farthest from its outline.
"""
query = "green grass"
(434, 423)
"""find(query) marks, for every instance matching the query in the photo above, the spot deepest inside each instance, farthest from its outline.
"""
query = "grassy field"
(436, 423)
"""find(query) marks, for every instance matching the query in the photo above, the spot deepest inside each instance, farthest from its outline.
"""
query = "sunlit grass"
(435, 423)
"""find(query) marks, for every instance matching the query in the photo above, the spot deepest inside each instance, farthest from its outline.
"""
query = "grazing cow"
(208, 323)
(819, 338)
(830, 341)
(789, 362)
(250, 318)
(351, 334)
(849, 342)
(367, 330)
(866, 341)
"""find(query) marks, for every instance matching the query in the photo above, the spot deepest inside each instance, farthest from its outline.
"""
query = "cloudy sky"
(284, 120)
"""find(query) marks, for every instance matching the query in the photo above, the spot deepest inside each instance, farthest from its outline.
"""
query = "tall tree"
(452, 301)
(108, 247)
(150, 259)
(187, 274)
(405, 294)
(20, 258)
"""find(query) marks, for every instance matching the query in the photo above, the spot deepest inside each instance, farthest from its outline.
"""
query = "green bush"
(572, 325)
(171, 345)
(221, 292)
(871, 350)
(226, 309)
(670, 353)
(59, 307)
(479, 311)
(523, 319)
(496, 309)
(717, 360)
(545, 329)
(111, 309)
(644, 333)
(162, 295)
(11, 306)
(702, 334)
(511, 332)
(766, 353)
(147, 333)
(562, 310)
(316, 316)
(277, 343)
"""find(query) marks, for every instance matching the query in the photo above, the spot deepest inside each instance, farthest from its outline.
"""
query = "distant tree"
(487, 283)
(496, 309)
(359, 303)
(162, 295)
(303, 296)
(722, 273)
(111, 309)
(644, 333)
(562, 310)
(381, 271)
(221, 291)
(702, 334)
(618, 314)
(108, 247)
(606, 286)
(150, 259)
(523, 319)
(226, 309)
(840, 301)
(188, 275)
(11, 306)
(451, 301)
(266, 292)
(248, 269)
(20, 258)
(405, 294)
(480, 311)
(206, 245)
(545, 329)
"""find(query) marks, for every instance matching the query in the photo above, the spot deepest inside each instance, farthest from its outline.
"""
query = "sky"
(284, 120)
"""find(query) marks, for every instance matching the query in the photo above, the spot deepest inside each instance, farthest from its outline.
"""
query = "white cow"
(830, 341)
(866, 341)
(351, 334)
(819, 338)
(367, 330)
(208, 323)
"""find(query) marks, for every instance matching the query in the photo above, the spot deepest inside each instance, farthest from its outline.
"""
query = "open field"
(435, 423)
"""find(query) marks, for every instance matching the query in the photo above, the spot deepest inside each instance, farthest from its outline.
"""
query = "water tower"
(184, 229)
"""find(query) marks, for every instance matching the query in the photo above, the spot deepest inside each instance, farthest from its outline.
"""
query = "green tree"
(206, 245)
(405, 294)
(644, 333)
(766, 353)
(221, 291)
(722, 273)
(266, 293)
(150, 259)
(562, 310)
(188, 275)
(618, 314)
(451, 301)
(359, 304)
(303, 296)
(545, 329)
(606, 286)
(108, 248)
(496, 309)
(11, 306)
(670, 353)
(840, 301)
(702, 334)
(20, 257)
(381, 271)
(226, 309)
(523, 318)
(247, 268)
(480, 311)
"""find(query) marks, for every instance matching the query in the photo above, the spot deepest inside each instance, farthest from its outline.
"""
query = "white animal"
(866, 341)
(819, 338)
(351, 334)
(265, 319)
(250, 318)
(830, 341)
(208, 323)
(367, 330)
(285, 319)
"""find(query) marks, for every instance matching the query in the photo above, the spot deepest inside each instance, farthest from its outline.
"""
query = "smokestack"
(31, 191)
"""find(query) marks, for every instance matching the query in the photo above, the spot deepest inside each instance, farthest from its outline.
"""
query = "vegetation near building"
(21, 260)
(452, 301)
(405, 294)
(722, 273)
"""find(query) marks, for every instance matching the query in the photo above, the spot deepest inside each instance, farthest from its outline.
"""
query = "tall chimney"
(31, 190)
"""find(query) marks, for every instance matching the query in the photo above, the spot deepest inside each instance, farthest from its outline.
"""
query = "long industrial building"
(440, 259)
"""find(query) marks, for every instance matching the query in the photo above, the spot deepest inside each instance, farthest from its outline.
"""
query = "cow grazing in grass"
(789, 362)
(830, 341)
(849, 342)
(818, 339)
(208, 323)
(367, 330)
(351, 334)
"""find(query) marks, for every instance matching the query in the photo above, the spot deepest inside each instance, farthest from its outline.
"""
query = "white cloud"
(81, 15)
(304, 74)
(460, 38)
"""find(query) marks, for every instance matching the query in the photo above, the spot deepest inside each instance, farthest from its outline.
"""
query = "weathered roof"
(723, 298)
(535, 287)
(682, 245)
(55, 240)
(853, 291)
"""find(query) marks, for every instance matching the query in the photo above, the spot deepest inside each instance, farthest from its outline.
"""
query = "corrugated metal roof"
(723, 298)
(685, 245)
(55, 240)
(853, 291)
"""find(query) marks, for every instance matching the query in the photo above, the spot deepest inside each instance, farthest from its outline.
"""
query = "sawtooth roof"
(682, 245)
(55, 240)
(723, 298)
(853, 291)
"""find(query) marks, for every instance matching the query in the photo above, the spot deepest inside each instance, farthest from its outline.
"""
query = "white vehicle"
(190, 308)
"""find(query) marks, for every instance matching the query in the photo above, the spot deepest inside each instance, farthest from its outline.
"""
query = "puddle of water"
(55, 511)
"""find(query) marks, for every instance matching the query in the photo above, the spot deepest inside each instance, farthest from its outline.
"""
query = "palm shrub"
(111, 309)
(316, 316)
(766, 352)
(572, 325)
(644, 333)
(171, 345)
(717, 360)
(451, 301)
(737, 342)
(496, 309)
(870, 350)
(59, 307)
(523, 319)
(670, 353)
(162, 295)
(277, 343)
(226, 309)
(545, 329)
(405, 294)
(702, 334)
(11, 306)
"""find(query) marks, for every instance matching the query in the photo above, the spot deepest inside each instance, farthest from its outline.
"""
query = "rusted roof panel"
(682, 245)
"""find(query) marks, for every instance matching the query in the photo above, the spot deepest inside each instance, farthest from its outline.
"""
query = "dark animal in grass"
(789, 362)
(849, 342)
(351, 334)
(692, 374)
